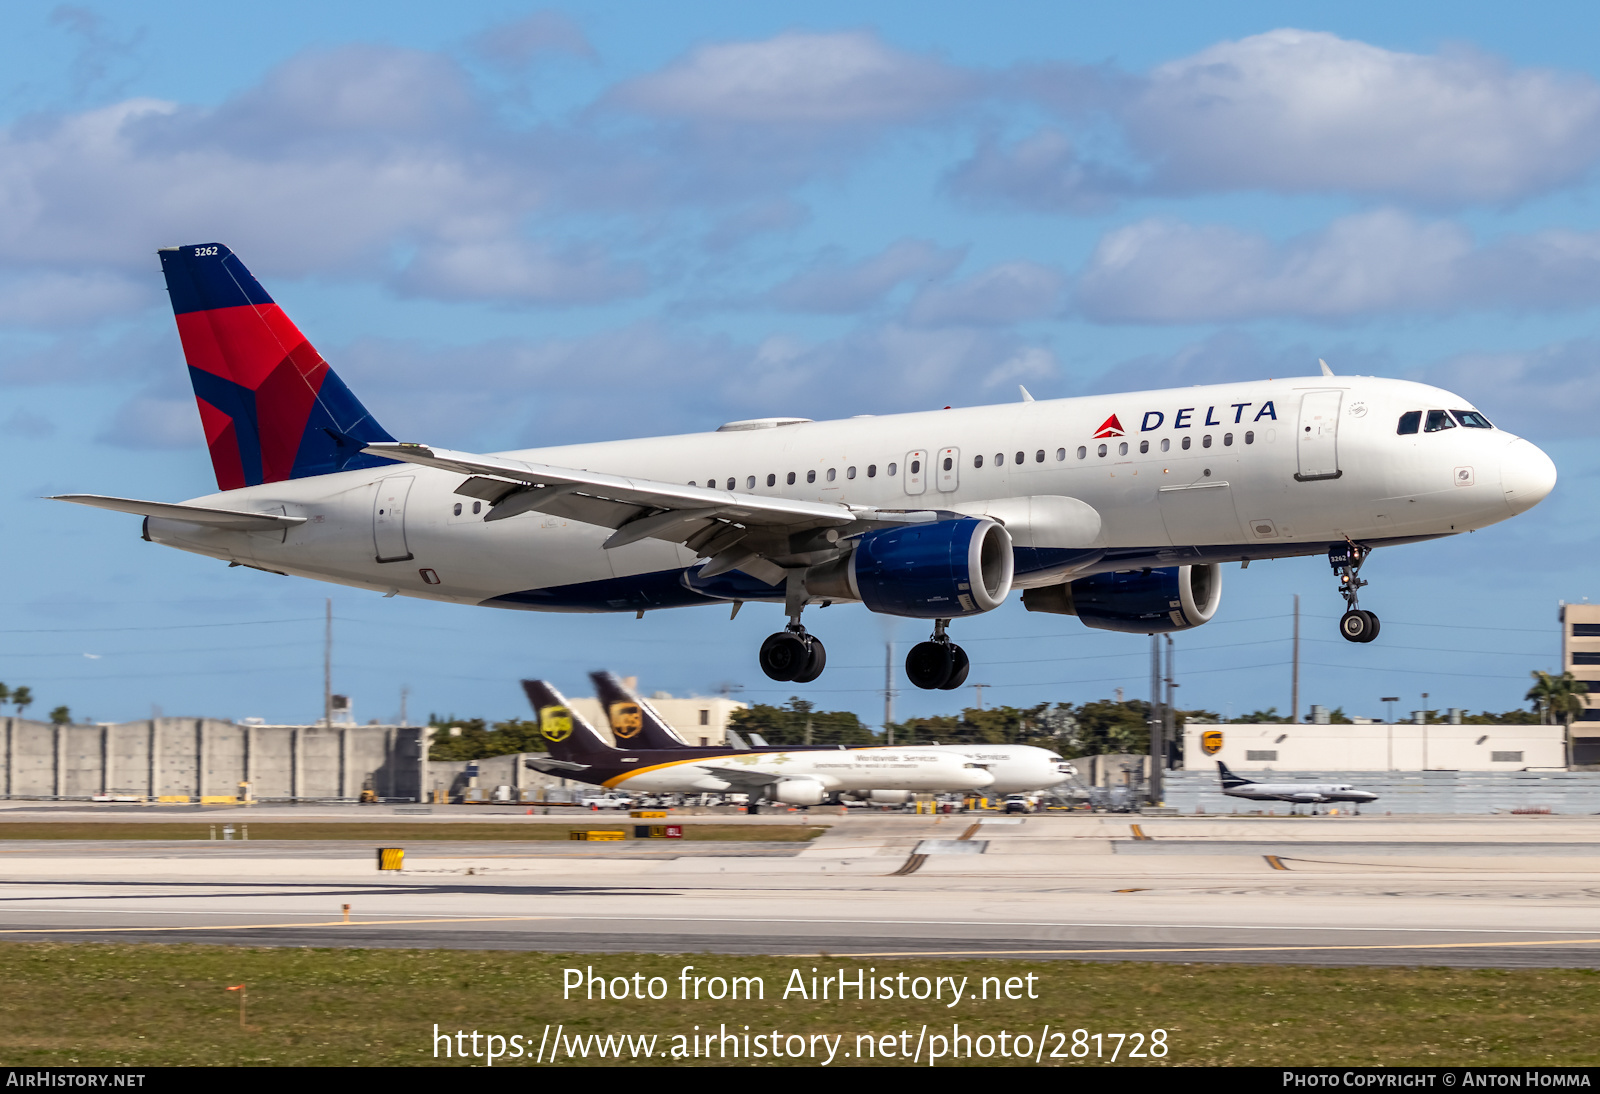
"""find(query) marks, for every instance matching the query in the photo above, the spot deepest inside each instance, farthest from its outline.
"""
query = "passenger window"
(1186, 442)
(1410, 422)
(458, 508)
(1021, 456)
(999, 459)
(872, 471)
(948, 463)
(1205, 442)
(1166, 443)
(1250, 436)
(811, 476)
(1102, 450)
(1472, 419)
(1122, 449)
(1144, 446)
(477, 507)
(1038, 457)
(1227, 438)
(772, 480)
(891, 469)
(832, 474)
(1438, 420)
(1082, 452)
(791, 478)
(916, 467)
(977, 461)
(1061, 454)
(750, 483)
(849, 472)
(731, 483)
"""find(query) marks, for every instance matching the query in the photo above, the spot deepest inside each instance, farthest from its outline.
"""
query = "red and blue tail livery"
(271, 407)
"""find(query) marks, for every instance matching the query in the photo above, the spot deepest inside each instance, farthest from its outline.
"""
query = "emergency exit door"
(1317, 439)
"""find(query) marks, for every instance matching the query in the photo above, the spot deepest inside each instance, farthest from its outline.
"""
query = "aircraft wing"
(553, 766)
(735, 530)
(231, 519)
(742, 778)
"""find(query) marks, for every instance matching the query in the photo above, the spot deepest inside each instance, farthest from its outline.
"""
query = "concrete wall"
(1565, 792)
(197, 757)
(526, 784)
(1401, 747)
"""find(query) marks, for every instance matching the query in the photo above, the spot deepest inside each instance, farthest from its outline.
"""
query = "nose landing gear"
(938, 664)
(1355, 625)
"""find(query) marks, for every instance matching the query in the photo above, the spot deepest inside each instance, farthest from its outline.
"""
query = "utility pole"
(888, 691)
(1157, 719)
(327, 670)
(1294, 691)
(978, 691)
(405, 693)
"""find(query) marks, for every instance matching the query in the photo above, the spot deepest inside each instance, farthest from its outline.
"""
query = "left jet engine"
(937, 570)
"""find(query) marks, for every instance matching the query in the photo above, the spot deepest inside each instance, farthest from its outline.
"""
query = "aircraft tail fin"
(567, 735)
(1229, 779)
(632, 719)
(271, 407)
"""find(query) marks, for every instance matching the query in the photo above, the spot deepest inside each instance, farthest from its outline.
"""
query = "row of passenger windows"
(1439, 420)
(832, 473)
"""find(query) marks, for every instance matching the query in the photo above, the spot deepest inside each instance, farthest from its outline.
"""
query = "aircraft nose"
(1526, 474)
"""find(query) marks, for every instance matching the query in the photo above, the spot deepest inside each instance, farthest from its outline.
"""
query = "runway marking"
(1277, 863)
(1205, 949)
(273, 926)
(1138, 833)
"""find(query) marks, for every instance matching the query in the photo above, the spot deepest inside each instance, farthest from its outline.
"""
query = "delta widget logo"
(1111, 427)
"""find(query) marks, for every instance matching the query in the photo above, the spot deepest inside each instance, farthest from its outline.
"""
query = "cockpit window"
(1472, 419)
(1437, 420)
(1410, 421)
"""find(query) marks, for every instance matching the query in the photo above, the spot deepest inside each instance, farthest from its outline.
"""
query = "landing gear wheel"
(929, 664)
(1358, 626)
(959, 667)
(817, 660)
(784, 656)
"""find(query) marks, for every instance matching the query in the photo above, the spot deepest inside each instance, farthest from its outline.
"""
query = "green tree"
(22, 699)
(1268, 716)
(1506, 718)
(479, 741)
(1558, 699)
(61, 716)
(798, 722)
(5, 695)
(1106, 726)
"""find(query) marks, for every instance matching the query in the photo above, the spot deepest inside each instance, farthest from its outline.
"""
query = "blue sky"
(507, 225)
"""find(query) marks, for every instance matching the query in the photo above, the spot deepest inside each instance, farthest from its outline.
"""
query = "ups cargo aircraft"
(1119, 509)
(1235, 786)
(793, 777)
(1016, 768)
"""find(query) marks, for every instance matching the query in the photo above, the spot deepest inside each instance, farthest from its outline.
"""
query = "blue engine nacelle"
(1174, 598)
(937, 570)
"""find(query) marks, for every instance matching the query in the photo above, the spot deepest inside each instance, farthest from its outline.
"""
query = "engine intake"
(1174, 598)
(925, 571)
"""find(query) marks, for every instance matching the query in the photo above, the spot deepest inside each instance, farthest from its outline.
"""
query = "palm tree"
(1558, 699)
(5, 695)
(61, 716)
(22, 699)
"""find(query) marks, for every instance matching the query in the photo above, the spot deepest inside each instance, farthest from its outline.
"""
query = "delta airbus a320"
(1119, 509)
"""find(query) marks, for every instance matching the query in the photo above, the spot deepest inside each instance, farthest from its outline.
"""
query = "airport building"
(1580, 655)
(1404, 746)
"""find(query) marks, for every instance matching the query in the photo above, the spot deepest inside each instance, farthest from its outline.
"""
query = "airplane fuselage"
(1205, 474)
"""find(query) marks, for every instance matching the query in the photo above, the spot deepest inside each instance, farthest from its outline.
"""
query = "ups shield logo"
(555, 723)
(626, 721)
(1211, 741)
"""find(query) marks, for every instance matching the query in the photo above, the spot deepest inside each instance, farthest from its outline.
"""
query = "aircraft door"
(916, 472)
(389, 519)
(1317, 440)
(949, 469)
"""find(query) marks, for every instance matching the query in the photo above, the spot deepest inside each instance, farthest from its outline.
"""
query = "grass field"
(135, 1005)
(388, 831)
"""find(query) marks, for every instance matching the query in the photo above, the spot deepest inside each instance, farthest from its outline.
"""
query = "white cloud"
(1012, 292)
(833, 285)
(1164, 271)
(1550, 391)
(797, 78)
(516, 271)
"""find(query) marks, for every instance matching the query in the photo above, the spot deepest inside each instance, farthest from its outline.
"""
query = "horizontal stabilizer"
(231, 519)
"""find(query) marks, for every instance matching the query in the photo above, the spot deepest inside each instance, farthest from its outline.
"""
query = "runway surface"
(1498, 891)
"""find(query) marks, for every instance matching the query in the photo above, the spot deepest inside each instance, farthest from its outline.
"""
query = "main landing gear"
(1355, 625)
(938, 664)
(793, 654)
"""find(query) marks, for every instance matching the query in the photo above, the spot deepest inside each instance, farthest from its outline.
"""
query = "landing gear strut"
(938, 663)
(1355, 625)
(793, 654)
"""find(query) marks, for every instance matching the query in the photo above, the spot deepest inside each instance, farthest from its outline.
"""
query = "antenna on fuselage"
(1326, 371)
(1027, 398)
